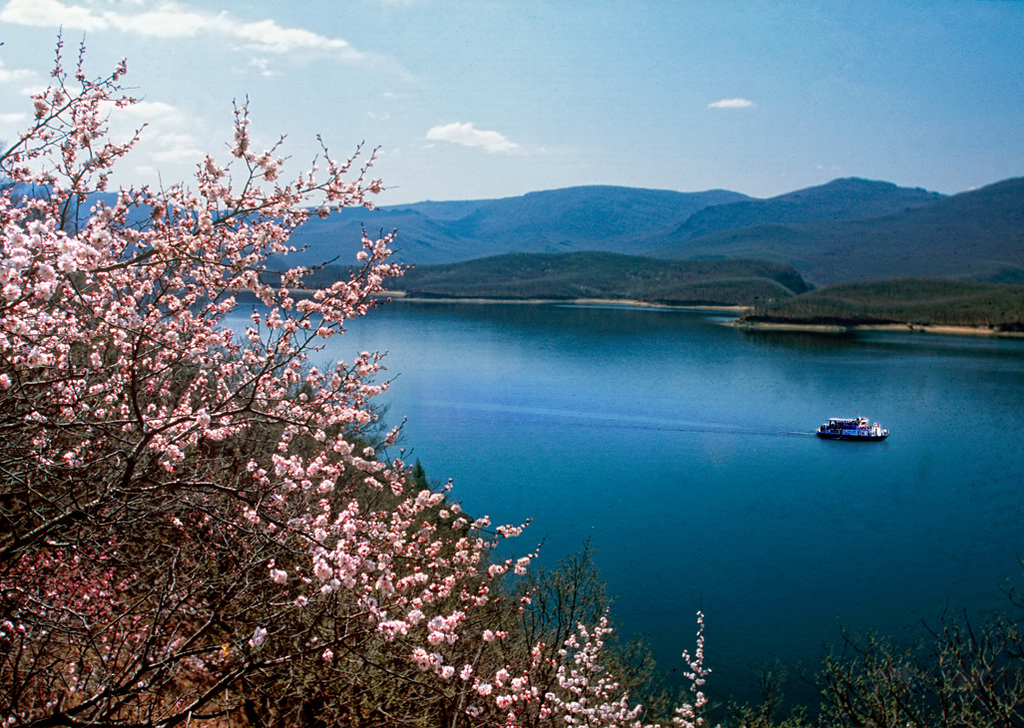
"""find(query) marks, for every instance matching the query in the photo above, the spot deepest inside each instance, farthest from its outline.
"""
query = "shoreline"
(937, 329)
(625, 302)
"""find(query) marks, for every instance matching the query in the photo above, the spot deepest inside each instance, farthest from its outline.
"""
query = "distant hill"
(584, 218)
(571, 219)
(421, 238)
(977, 235)
(846, 230)
(598, 275)
(842, 199)
(453, 210)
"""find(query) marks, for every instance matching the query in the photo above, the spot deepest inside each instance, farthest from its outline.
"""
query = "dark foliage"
(913, 301)
(606, 276)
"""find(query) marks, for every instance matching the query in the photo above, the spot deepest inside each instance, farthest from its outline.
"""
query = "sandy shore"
(898, 328)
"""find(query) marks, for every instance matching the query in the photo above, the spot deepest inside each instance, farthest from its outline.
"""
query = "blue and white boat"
(852, 428)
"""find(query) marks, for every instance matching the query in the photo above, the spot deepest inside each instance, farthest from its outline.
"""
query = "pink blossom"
(323, 570)
(259, 636)
(421, 658)
(115, 330)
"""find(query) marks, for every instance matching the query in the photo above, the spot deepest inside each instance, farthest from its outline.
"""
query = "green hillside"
(611, 276)
(917, 301)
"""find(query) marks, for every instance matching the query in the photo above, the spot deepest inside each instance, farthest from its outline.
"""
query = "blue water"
(685, 450)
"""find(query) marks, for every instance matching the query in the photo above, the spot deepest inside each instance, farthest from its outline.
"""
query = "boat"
(852, 428)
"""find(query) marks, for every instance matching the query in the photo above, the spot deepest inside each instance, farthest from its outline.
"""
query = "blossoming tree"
(200, 526)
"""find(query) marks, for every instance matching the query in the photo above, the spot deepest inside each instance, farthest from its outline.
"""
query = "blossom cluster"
(191, 510)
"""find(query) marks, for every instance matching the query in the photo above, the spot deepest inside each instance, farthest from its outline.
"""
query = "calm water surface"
(685, 450)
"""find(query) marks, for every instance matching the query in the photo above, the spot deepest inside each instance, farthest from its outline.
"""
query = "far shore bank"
(632, 303)
(939, 329)
(942, 329)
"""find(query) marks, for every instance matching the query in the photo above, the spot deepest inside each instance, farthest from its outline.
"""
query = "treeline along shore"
(766, 295)
(606, 276)
(591, 276)
(914, 304)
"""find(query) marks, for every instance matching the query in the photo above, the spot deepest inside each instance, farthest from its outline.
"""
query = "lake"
(685, 450)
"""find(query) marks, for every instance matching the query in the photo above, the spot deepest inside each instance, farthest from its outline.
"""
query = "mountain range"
(848, 229)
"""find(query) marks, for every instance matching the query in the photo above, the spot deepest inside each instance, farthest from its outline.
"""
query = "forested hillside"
(606, 276)
(914, 301)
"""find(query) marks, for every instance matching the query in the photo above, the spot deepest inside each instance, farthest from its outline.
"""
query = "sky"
(475, 99)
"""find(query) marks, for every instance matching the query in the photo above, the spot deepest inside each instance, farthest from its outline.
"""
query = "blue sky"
(490, 98)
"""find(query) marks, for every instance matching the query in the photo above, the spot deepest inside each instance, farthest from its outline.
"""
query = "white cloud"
(167, 138)
(168, 22)
(269, 37)
(50, 13)
(466, 134)
(176, 21)
(732, 104)
(153, 110)
(178, 154)
(9, 75)
(262, 64)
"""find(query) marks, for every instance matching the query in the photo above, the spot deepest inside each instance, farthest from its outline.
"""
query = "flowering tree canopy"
(200, 526)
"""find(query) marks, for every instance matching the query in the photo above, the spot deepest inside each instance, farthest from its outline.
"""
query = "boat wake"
(607, 421)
